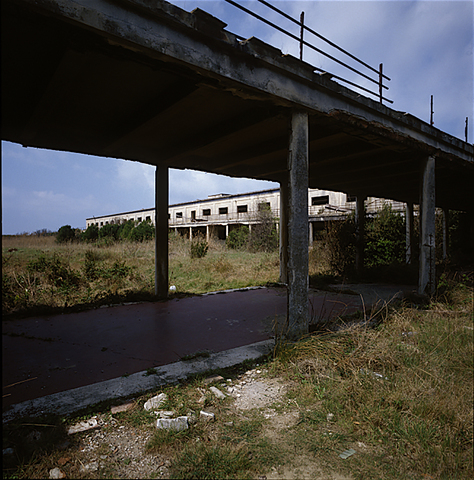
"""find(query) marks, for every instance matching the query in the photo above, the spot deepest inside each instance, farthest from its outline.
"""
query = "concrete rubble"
(155, 403)
(217, 392)
(83, 426)
(176, 424)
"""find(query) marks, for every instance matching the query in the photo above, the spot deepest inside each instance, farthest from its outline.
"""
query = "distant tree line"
(130, 230)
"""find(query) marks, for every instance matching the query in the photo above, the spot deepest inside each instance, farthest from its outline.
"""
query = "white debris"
(83, 426)
(56, 473)
(177, 424)
(217, 392)
(156, 402)
(207, 416)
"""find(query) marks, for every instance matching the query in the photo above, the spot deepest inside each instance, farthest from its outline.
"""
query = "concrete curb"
(67, 402)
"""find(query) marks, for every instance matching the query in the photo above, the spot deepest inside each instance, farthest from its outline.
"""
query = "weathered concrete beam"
(409, 232)
(161, 231)
(298, 312)
(445, 233)
(360, 229)
(284, 231)
(427, 272)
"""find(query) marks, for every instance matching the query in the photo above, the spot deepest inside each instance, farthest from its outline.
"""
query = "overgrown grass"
(401, 394)
(39, 275)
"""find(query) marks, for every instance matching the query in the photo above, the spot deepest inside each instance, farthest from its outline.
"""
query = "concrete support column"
(226, 231)
(207, 233)
(161, 231)
(360, 227)
(284, 231)
(427, 273)
(445, 233)
(298, 311)
(409, 232)
(310, 233)
(190, 233)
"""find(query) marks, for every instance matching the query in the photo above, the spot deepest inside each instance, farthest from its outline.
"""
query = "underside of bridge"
(149, 82)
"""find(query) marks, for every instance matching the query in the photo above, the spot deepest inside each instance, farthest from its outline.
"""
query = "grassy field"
(39, 275)
(399, 395)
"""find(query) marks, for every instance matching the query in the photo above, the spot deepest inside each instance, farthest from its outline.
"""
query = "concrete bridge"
(150, 82)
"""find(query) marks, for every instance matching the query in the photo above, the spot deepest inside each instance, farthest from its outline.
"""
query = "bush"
(199, 247)
(385, 238)
(237, 238)
(111, 230)
(65, 234)
(264, 236)
(91, 234)
(143, 231)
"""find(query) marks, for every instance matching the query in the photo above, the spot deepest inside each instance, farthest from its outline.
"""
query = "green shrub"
(199, 247)
(91, 234)
(385, 238)
(143, 231)
(237, 238)
(65, 234)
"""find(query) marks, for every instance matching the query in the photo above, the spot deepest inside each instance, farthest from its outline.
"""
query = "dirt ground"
(116, 449)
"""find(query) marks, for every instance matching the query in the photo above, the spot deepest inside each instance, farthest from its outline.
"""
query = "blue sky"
(426, 48)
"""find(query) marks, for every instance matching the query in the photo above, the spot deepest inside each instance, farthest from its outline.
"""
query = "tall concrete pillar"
(310, 233)
(284, 231)
(190, 233)
(409, 232)
(427, 273)
(445, 233)
(360, 228)
(298, 311)
(161, 231)
(226, 231)
(207, 233)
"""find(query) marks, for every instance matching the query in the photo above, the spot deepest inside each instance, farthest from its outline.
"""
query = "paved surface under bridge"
(50, 354)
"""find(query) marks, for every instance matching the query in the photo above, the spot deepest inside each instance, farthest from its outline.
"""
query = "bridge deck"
(163, 86)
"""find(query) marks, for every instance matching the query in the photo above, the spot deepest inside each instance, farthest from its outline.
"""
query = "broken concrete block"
(56, 473)
(83, 426)
(177, 424)
(121, 408)
(156, 402)
(347, 453)
(217, 392)
(166, 414)
(213, 379)
(206, 416)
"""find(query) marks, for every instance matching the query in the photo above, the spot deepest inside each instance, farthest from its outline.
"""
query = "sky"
(426, 48)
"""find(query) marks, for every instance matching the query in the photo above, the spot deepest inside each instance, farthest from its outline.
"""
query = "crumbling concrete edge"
(69, 401)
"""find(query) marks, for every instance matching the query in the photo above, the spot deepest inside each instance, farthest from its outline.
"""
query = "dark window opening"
(206, 212)
(321, 200)
(193, 215)
(179, 214)
(223, 210)
(241, 208)
(264, 206)
(148, 218)
(139, 219)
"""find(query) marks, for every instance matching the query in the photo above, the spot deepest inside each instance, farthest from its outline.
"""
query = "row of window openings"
(206, 212)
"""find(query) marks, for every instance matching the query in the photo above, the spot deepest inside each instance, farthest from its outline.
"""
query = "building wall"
(228, 210)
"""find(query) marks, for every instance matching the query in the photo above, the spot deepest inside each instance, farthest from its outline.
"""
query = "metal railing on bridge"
(302, 42)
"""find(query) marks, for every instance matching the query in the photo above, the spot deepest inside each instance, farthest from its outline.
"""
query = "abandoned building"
(219, 214)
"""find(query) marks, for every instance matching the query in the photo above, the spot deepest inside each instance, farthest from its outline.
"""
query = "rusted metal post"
(381, 82)
(161, 231)
(298, 300)
(432, 112)
(301, 35)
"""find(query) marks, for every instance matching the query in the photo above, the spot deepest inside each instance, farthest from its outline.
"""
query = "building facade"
(219, 214)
